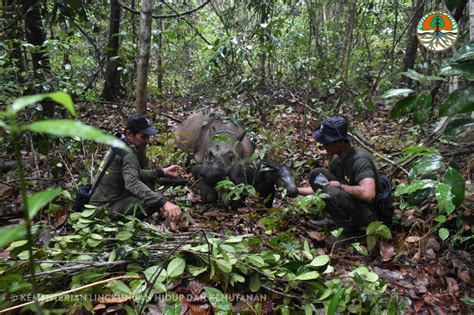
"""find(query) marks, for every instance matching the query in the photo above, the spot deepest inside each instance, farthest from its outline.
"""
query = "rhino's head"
(218, 160)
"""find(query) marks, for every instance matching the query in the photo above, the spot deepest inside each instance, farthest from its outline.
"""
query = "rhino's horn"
(241, 135)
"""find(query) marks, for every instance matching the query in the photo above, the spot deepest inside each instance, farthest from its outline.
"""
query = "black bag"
(85, 192)
(384, 201)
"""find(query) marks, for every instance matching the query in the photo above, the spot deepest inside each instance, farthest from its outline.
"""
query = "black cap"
(139, 122)
(332, 129)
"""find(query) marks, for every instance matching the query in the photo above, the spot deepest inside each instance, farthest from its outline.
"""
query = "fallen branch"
(378, 154)
(164, 16)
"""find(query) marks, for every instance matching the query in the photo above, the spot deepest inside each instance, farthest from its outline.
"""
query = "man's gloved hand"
(173, 214)
(172, 171)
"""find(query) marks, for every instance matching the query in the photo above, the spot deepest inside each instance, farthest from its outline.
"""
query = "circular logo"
(437, 31)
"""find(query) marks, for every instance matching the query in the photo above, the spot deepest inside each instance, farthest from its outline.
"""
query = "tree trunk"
(412, 46)
(36, 36)
(348, 43)
(160, 70)
(112, 75)
(471, 20)
(13, 35)
(144, 58)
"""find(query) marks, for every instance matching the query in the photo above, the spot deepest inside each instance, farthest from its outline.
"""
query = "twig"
(81, 266)
(281, 293)
(378, 154)
(164, 16)
(55, 296)
(187, 22)
(68, 170)
(342, 241)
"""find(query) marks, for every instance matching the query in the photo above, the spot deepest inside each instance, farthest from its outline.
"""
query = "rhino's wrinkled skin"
(219, 146)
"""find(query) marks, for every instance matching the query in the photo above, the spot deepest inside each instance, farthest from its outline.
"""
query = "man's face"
(139, 139)
(331, 147)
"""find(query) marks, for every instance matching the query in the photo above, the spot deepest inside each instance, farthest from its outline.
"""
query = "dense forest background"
(279, 67)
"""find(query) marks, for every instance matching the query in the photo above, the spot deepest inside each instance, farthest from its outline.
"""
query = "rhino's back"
(188, 131)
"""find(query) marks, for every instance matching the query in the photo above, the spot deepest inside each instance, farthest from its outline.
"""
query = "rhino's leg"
(265, 186)
(207, 193)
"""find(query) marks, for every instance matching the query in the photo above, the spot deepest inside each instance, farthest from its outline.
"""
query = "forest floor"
(435, 276)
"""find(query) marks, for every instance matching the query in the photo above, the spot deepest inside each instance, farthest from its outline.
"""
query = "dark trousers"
(350, 213)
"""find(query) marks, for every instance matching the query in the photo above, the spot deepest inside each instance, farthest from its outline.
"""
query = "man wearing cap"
(127, 185)
(351, 181)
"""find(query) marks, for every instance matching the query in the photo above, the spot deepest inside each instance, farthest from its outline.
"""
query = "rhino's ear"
(241, 135)
(289, 164)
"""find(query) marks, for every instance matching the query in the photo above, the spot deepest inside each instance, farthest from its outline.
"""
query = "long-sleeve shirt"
(125, 177)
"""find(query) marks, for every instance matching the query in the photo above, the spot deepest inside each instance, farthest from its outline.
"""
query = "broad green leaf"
(320, 261)
(174, 309)
(456, 126)
(458, 102)
(195, 270)
(151, 274)
(412, 74)
(233, 240)
(332, 308)
(72, 128)
(466, 70)
(176, 267)
(337, 232)
(465, 53)
(444, 197)
(440, 218)
(59, 97)
(40, 199)
(371, 242)
(16, 244)
(451, 4)
(118, 287)
(422, 107)
(443, 233)
(308, 276)
(235, 277)
(255, 283)
(416, 185)
(427, 165)
(124, 235)
(403, 107)
(255, 260)
(362, 250)
(309, 309)
(218, 299)
(397, 93)
(455, 181)
(87, 213)
(224, 265)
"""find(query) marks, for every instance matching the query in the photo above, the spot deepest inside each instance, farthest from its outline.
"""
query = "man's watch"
(340, 185)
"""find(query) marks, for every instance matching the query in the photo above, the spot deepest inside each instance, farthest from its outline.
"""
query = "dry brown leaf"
(386, 251)
(453, 286)
(112, 299)
(412, 239)
(100, 306)
(464, 276)
(315, 235)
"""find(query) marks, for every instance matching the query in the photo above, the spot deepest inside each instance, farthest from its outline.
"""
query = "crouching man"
(127, 185)
(351, 182)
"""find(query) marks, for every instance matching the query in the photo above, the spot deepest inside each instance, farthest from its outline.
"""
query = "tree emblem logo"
(437, 31)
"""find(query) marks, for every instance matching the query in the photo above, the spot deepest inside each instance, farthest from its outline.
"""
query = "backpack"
(383, 201)
(85, 192)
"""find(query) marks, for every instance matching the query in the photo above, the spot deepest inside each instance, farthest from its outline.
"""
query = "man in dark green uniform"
(127, 185)
(351, 182)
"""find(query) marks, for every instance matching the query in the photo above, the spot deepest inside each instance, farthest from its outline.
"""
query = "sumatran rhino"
(219, 146)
